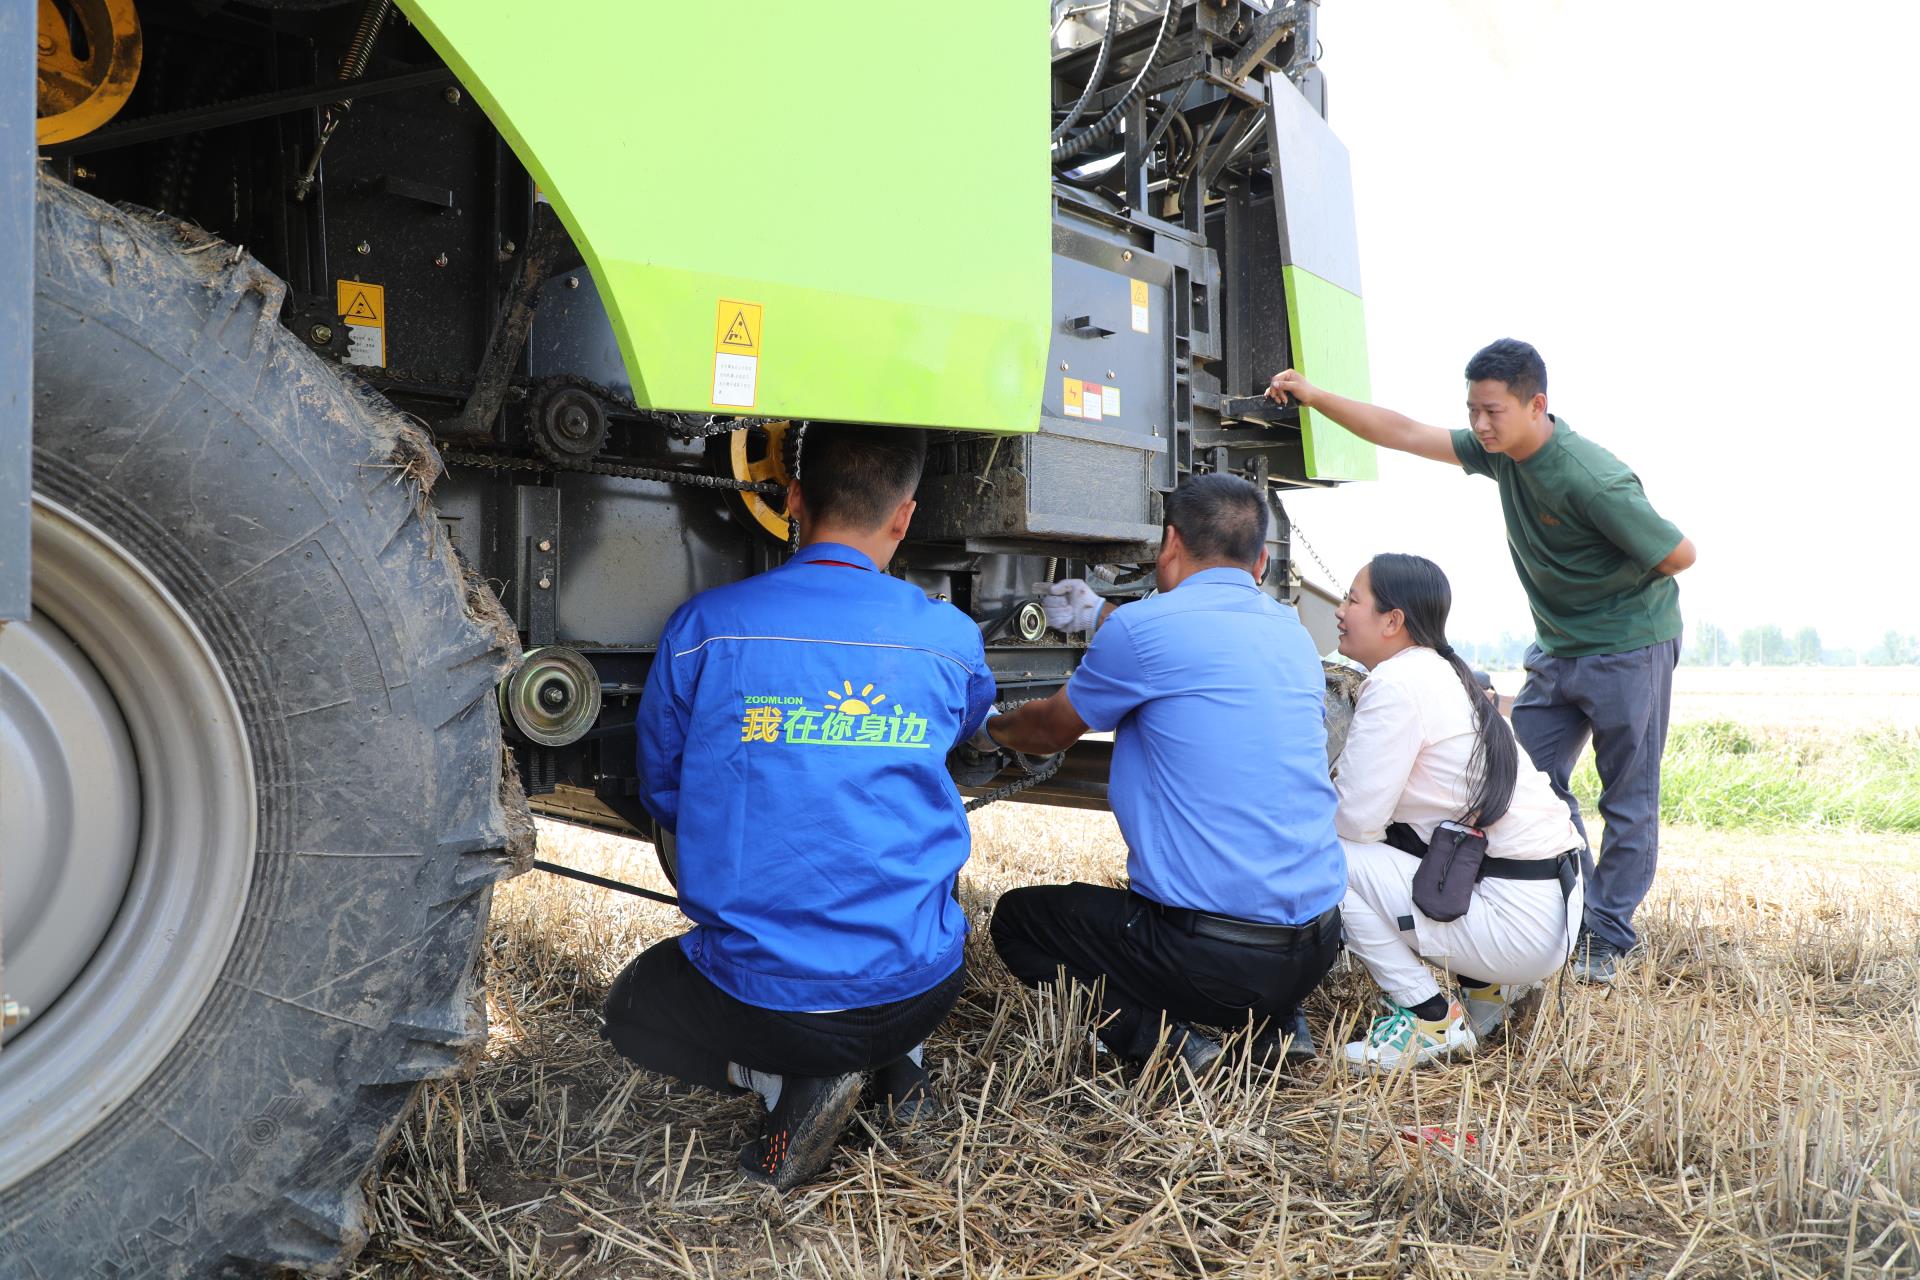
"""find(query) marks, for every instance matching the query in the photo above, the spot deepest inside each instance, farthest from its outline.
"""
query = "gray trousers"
(1620, 700)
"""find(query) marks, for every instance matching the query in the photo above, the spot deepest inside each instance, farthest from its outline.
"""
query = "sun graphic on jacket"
(848, 703)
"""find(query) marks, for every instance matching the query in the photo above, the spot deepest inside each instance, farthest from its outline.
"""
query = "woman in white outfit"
(1427, 746)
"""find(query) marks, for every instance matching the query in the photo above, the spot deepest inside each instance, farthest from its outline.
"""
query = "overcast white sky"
(1703, 214)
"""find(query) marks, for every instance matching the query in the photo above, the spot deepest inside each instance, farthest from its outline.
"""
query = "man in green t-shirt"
(1598, 563)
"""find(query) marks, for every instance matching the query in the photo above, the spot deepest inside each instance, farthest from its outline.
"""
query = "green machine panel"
(1330, 347)
(834, 211)
(1320, 267)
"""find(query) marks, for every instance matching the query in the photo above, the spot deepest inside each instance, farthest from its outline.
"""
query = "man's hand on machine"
(1071, 605)
(985, 744)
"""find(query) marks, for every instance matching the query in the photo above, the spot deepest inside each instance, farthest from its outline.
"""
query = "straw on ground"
(1741, 1104)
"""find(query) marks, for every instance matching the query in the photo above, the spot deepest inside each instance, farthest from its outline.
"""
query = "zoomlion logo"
(845, 719)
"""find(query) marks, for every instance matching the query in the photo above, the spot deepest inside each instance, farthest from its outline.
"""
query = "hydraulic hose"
(1103, 128)
(1099, 72)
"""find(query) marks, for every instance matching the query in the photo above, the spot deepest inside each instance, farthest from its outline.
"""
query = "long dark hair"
(1416, 587)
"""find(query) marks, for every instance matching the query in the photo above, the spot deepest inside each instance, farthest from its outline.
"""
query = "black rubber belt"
(620, 885)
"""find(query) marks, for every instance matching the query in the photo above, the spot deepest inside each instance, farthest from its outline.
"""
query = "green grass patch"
(1722, 774)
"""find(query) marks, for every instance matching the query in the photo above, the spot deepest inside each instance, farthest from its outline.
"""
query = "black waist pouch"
(1443, 886)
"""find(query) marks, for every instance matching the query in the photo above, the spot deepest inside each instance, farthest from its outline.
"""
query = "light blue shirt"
(1219, 781)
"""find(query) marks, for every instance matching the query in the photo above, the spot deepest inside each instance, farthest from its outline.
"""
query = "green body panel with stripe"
(873, 174)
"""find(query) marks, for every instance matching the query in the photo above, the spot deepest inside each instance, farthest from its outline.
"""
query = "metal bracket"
(537, 513)
(475, 421)
(1084, 327)
(1259, 409)
(1266, 33)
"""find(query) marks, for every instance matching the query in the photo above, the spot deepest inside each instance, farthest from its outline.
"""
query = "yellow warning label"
(1137, 290)
(362, 308)
(1070, 392)
(736, 329)
(359, 303)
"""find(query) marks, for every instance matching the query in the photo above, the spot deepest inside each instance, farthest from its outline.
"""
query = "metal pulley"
(89, 60)
(553, 696)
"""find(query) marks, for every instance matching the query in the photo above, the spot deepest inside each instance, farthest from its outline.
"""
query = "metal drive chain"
(1018, 785)
(663, 475)
(1332, 577)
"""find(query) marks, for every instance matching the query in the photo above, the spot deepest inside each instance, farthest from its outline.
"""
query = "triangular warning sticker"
(360, 308)
(738, 335)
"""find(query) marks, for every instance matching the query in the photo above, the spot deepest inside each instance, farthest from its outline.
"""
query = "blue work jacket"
(793, 735)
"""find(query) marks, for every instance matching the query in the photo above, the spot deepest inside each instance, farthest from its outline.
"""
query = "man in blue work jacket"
(793, 735)
(1219, 782)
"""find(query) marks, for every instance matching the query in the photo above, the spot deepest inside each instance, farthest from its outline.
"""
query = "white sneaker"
(1403, 1037)
(1489, 1008)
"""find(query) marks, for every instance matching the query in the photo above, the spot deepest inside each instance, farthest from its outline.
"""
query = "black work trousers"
(665, 1015)
(1154, 968)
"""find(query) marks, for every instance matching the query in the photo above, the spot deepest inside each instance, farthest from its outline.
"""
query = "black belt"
(1253, 933)
(1564, 868)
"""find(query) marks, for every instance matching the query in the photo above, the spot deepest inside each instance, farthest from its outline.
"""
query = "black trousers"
(665, 1015)
(1152, 967)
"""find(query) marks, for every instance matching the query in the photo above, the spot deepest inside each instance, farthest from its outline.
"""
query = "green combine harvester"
(375, 379)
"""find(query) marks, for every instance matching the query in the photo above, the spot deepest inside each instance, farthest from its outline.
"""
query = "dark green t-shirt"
(1585, 540)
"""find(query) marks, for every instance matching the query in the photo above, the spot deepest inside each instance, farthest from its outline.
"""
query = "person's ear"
(1394, 623)
(902, 517)
(1538, 404)
(1260, 565)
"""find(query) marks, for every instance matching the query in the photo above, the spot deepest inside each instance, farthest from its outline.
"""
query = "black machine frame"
(332, 141)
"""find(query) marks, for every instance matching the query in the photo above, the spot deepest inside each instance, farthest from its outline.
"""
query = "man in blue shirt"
(1219, 782)
(793, 735)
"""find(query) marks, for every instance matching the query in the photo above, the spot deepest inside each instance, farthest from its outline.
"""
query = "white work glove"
(982, 741)
(1070, 605)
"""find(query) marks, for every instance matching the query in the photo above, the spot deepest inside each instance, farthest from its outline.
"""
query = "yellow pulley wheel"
(89, 59)
(762, 456)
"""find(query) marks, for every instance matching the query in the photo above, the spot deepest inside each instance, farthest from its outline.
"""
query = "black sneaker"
(902, 1091)
(1266, 1047)
(797, 1137)
(1595, 959)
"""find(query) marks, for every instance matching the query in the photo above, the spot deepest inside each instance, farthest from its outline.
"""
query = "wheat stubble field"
(1742, 1103)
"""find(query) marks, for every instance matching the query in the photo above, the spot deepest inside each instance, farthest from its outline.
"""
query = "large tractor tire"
(252, 796)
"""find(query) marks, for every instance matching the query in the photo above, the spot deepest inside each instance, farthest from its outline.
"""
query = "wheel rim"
(130, 820)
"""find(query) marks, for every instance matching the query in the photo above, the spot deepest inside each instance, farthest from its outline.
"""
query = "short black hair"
(1513, 362)
(855, 476)
(1220, 517)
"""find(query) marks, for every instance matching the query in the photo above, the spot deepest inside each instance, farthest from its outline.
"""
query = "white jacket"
(1407, 756)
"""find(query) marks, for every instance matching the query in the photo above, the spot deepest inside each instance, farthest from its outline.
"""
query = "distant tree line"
(1770, 646)
(1708, 645)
